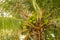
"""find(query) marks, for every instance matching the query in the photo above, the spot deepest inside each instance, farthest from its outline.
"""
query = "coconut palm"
(31, 19)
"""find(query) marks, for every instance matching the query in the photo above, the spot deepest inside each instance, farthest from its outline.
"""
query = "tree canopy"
(36, 19)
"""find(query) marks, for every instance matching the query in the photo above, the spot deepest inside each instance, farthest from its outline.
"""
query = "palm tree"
(36, 19)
